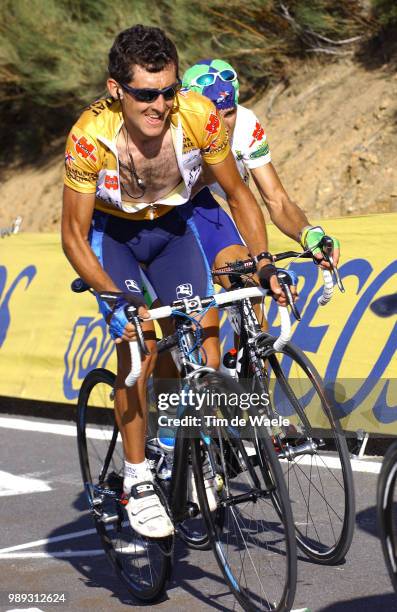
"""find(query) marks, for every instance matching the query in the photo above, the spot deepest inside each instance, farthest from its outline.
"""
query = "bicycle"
(312, 449)
(251, 531)
(386, 498)
(387, 511)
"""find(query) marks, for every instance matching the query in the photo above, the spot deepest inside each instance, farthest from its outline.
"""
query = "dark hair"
(143, 46)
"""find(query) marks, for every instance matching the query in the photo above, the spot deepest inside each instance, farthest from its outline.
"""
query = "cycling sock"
(134, 473)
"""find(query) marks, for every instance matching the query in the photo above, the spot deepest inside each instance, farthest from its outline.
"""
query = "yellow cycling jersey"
(92, 163)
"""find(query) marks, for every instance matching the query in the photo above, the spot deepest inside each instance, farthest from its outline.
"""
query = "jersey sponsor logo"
(213, 124)
(83, 148)
(187, 144)
(132, 285)
(194, 173)
(80, 176)
(258, 133)
(261, 151)
(99, 106)
(215, 147)
(69, 157)
(111, 182)
(184, 290)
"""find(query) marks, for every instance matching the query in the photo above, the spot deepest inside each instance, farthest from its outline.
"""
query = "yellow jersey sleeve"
(81, 161)
(216, 142)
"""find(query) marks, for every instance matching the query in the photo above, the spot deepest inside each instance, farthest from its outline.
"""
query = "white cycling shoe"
(213, 484)
(146, 513)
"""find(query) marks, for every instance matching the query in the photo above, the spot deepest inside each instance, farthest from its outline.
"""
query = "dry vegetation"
(323, 75)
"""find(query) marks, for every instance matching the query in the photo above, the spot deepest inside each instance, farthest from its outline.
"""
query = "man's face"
(229, 117)
(149, 118)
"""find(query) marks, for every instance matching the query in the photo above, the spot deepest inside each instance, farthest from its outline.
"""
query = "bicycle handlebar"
(248, 266)
(195, 304)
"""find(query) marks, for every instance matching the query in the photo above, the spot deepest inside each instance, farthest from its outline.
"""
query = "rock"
(372, 158)
(385, 103)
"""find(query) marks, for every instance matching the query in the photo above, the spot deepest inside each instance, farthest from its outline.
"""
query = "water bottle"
(230, 361)
(166, 444)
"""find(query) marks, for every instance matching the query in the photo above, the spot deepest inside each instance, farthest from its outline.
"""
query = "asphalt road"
(43, 514)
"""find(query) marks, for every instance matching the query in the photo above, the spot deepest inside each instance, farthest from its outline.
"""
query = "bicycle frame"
(188, 348)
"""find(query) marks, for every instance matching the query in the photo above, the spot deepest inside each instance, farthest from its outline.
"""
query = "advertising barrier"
(51, 337)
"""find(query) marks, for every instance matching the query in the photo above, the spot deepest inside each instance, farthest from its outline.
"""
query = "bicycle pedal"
(108, 518)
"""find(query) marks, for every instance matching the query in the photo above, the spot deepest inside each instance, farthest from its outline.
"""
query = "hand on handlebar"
(120, 328)
(325, 249)
(114, 307)
(268, 279)
(279, 294)
(329, 255)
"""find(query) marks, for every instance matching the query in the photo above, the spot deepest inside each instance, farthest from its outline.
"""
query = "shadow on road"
(367, 521)
(97, 572)
(378, 603)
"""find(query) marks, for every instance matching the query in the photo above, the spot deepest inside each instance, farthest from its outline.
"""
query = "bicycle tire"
(328, 540)
(263, 576)
(387, 511)
(143, 565)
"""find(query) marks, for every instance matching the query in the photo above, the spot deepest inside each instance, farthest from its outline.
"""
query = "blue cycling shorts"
(169, 248)
(215, 228)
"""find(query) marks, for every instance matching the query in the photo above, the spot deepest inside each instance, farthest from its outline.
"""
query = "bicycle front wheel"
(313, 454)
(254, 543)
(387, 511)
(143, 565)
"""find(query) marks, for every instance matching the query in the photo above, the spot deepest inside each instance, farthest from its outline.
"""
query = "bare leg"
(130, 403)
(210, 323)
(165, 365)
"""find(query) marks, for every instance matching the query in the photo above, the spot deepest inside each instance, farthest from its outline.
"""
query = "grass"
(53, 53)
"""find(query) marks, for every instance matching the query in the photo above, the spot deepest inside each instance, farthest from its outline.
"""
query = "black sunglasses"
(150, 95)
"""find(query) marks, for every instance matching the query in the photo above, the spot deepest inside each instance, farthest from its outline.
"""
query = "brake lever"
(131, 314)
(327, 246)
(286, 289)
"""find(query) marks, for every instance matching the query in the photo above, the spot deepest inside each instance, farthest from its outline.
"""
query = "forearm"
(77, 215)
(287, 216)
(249, 219)
(79, 253)
(86, 264)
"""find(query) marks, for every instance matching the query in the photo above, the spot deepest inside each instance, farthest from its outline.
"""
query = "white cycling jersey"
(249, 145)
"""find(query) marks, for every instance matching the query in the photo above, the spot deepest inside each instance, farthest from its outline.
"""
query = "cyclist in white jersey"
(217, 80)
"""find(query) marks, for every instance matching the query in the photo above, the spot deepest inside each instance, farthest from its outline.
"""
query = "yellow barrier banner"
(50, 337)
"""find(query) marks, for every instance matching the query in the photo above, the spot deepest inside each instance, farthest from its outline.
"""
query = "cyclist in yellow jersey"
(131, 161)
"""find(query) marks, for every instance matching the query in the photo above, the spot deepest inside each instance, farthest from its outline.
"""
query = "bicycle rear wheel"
(254, 543)
(387, 511)
(143, 565)
(313, 454)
